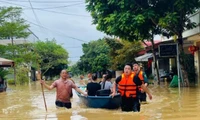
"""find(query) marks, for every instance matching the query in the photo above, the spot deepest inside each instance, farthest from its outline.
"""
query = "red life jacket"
(127, 87)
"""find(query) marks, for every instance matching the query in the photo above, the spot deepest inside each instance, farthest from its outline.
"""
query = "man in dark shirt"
(127, 86)
(93, 86)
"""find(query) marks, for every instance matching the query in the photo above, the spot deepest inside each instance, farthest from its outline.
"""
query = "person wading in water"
(63, 89)
(128, 84)
(141, 74)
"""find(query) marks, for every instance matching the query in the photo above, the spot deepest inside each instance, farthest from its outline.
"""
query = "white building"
(31, 38)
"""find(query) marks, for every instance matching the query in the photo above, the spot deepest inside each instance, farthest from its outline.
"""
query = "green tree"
(124, 19)
(122, 52)
(54, 71)
(142, 19)
(24, 57)
(23, 53)
(176, 21)
(2, 50)
(74, 69)
(95, 57)
(3, 73)
(50, 54)
(12, 25)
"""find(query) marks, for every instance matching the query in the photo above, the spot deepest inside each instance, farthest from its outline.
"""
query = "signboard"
(167, 50)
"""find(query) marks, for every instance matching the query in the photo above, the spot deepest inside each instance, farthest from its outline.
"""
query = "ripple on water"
(26, 103)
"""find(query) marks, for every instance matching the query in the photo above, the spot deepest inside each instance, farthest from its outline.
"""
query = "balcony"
(193, 34)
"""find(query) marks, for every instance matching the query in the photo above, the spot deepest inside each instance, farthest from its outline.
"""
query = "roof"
(147, 46)
(6, 62)
(148, 43)
(144, 57)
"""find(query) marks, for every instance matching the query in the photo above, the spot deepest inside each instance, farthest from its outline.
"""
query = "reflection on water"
(26, 102)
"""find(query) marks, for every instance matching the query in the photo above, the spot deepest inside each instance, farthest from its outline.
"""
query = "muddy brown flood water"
(26, 103)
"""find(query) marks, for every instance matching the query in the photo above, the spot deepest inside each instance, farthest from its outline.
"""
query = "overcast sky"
(65, 20)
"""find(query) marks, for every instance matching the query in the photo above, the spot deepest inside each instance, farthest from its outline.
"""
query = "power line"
(63, 13)
(48, 28)
(36, 18)
(45, 10)
(43, 1)
(57, 32)
(34, 12)
(59, 6)
(14, 4)
(33, 33)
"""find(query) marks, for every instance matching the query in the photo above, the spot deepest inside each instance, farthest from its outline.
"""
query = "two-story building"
(193, 36)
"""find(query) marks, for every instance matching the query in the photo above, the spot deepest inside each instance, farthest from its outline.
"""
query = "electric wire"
(43, 1)
(57, 32)
(60, 6)
(35, 15)
(63, 13)
(46, 10)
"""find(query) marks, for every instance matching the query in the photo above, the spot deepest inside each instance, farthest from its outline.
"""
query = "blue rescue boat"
(102, 100)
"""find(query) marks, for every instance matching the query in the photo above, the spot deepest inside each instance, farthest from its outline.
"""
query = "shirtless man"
(63, 89)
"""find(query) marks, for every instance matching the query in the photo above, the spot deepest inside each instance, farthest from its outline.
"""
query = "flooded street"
(26, 103)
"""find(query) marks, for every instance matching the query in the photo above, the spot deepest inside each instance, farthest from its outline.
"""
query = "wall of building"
(197, 61)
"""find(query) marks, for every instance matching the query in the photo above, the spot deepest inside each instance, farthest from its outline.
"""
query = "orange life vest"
(127, 87)
(140, 75)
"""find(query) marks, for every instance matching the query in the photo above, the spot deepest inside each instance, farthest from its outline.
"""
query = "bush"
(3, 73)
(22, 75)
(11, 82)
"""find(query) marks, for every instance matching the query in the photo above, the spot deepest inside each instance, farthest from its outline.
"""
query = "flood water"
(26, 103)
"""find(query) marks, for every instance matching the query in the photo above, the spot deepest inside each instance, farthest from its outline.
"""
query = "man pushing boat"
(127, 85)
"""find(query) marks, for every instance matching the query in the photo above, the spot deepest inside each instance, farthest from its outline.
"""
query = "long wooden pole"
(44, 97)
(39, 76)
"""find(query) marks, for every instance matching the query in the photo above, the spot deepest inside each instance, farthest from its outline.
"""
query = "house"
(191, 39)
(31, 38)
(193, 36)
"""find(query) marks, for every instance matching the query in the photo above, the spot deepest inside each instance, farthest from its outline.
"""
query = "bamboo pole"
(39, 78)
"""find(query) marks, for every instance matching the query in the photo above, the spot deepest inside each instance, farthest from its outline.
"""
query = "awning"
(144, 57)
(6, 62)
